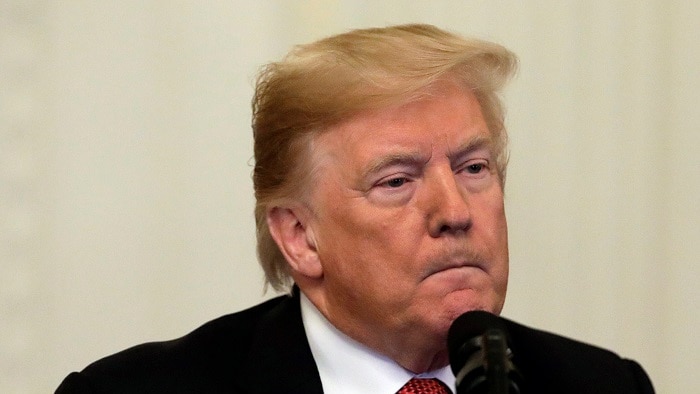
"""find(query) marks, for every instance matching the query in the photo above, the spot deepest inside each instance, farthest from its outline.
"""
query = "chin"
(462, 301)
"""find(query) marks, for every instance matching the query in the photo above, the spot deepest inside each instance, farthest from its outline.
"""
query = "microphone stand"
(496, 351)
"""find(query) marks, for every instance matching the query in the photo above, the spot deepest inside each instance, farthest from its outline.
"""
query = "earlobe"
(290, 230)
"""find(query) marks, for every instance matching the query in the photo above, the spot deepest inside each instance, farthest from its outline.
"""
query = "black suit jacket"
(264, 350)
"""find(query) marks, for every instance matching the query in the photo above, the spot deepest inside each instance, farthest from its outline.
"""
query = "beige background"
(125, 151)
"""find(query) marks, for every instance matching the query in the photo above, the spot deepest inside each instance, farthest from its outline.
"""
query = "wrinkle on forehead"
(379, 138)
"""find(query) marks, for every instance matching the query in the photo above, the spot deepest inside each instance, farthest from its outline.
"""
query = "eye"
(475, 168)
(395, 182)
(393, 190)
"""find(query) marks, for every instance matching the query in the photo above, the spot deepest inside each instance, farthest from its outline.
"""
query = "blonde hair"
(322, 83)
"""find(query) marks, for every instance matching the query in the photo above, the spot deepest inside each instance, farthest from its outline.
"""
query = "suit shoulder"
(192, 363)
(551, 362)
(538, 341)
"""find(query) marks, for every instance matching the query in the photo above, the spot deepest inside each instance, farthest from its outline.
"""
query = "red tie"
(424, 386)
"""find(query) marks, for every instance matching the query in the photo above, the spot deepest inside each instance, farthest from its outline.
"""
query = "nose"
(447, 205)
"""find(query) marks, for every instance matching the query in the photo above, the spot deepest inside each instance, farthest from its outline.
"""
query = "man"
(380, 167)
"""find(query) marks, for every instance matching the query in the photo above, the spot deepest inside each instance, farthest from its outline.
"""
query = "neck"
(425, 354)
(420, 364)
(414, 350)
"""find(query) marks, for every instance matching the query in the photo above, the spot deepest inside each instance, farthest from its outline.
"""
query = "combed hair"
(319, 84)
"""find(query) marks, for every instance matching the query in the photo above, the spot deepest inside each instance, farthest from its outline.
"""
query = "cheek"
(358, 229)
(345, 246)
(398, 239)
(494, 230)
(373, 255)
(494, 217)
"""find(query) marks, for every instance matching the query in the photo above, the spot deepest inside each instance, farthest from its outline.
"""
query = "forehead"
(446, 118)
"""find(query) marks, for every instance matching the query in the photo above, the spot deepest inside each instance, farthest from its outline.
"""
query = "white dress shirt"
(349, 367)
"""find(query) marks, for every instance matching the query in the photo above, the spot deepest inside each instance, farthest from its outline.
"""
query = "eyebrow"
(416, 158)
(475, 143)
(395, 159)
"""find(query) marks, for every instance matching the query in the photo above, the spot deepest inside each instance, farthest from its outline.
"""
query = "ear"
(289, 228)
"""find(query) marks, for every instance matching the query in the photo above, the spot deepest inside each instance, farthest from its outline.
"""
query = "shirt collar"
(347, 366)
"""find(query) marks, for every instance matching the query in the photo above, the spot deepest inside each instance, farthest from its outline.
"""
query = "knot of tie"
(424, 386)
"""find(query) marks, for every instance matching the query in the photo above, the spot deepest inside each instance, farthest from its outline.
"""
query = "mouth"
(456, 267)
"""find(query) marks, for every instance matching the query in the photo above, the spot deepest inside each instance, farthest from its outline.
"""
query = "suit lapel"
(280, 358)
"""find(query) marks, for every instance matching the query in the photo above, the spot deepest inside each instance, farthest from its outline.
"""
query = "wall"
(125, 161)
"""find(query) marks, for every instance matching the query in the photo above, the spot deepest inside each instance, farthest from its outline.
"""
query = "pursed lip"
(443, 267)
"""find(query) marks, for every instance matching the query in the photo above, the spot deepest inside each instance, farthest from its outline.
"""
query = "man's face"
(408, 221)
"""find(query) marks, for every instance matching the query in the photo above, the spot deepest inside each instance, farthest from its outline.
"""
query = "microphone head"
(464, 329)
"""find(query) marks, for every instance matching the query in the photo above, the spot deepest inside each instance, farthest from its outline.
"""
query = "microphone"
(479, 355)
